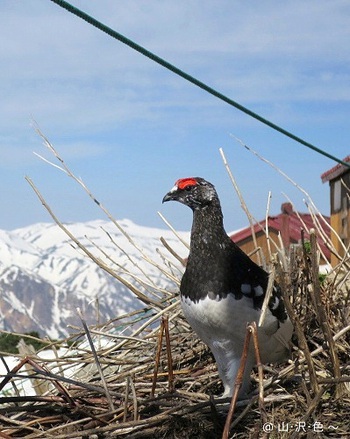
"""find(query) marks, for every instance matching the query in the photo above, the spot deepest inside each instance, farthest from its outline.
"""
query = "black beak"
(169, 197)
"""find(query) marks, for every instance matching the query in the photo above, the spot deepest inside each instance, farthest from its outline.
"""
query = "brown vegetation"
(146, 375)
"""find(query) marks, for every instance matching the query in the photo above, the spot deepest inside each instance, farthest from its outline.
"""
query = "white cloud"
(59, 68)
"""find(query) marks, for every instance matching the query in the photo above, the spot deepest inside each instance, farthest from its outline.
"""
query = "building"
(287, 226)
(339, 182)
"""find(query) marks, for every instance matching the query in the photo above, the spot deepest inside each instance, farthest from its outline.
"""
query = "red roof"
(336, 171)
(290, 230)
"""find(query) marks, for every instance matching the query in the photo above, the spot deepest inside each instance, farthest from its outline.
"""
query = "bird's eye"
(188, 188)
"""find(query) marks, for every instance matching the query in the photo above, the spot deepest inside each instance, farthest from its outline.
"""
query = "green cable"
(188, 77)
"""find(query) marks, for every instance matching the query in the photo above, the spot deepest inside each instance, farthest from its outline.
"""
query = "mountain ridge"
(44, 278)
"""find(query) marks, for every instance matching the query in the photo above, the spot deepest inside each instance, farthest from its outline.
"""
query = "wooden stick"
(253, 328)
(159, 350)
(321, 314)
(238, 382)
(169, 355)
(242, 201)
(97, 362)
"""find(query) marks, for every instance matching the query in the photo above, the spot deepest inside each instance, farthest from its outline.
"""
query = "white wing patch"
(246, 288)
(258, 291)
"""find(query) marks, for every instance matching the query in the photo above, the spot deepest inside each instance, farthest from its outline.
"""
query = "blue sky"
(129, 128)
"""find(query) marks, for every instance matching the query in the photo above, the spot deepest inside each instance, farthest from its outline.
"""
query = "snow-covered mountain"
(44, 277)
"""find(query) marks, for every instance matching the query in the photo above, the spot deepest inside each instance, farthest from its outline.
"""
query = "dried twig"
(242, 201)
(321, 314)
(251, 330)
(96, 359)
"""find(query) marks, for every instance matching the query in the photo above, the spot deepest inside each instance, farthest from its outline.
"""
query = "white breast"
(226, 320)
(213, 319)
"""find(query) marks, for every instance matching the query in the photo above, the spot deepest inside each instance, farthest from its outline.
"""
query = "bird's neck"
(208, 227)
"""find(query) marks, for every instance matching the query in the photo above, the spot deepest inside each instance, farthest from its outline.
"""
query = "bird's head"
(194, 192)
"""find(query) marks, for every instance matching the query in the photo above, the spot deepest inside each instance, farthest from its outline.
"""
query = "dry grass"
(141, 401)
(146, 375)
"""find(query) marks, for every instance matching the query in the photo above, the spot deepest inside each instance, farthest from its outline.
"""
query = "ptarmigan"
(222, 289)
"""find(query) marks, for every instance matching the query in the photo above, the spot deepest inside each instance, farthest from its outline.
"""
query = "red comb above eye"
(185, 182)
